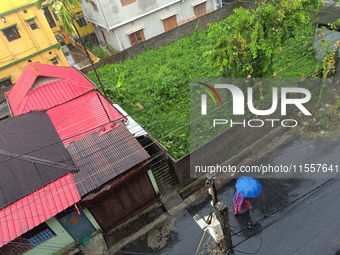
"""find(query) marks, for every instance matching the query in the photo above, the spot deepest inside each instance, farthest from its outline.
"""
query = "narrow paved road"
(292, 216)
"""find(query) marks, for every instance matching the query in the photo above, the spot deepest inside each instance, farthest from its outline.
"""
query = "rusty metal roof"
(22, 175)
(101, 157)
(26, 133)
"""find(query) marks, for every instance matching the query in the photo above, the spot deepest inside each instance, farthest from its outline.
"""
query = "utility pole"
(93, 68)
(222, 215)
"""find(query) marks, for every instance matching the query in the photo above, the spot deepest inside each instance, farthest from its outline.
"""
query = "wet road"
(291, 216)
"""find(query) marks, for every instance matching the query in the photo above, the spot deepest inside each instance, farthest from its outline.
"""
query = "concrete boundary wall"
(236, 143)
(173, 35)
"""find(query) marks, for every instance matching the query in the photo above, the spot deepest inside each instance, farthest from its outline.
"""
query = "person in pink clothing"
(241, 203)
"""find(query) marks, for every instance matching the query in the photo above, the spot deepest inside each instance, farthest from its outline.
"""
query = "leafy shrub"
(162, 73)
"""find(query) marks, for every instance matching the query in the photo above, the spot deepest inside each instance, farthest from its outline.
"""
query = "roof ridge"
(34, 69)
(38, 160)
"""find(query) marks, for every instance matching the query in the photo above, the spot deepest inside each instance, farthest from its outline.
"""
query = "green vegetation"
(250, 39)
(162, 73)
(97, 50)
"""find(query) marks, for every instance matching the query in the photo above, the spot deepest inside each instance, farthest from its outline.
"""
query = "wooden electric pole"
(222, 215)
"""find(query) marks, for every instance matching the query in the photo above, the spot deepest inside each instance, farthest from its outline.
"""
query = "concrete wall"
(235, 143)
(330, 37)
(172, 35)
(134, 224)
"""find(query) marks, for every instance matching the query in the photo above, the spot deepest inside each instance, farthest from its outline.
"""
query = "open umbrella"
(248, 187)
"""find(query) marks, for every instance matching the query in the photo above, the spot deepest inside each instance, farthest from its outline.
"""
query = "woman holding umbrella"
(246, 187)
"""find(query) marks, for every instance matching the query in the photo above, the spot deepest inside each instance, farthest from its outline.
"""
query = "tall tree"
(247, 40)
(63, 10)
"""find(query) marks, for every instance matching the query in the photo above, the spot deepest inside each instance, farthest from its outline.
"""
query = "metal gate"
(161, 171)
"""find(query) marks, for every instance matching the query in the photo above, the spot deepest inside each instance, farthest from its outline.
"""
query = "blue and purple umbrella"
(248, 187)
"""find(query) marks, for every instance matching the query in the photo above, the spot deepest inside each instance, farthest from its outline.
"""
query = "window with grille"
(38, 234)
(94, 6)
(55, 14)
(49, 17)
(136, 37)
(32, 24)
(126, 2)
(81, 21)
(11, 33)
(54, 61)
(28, 240)
(200, 9)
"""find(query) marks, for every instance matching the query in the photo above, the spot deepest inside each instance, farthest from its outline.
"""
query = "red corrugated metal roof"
(51, 94)
(39, 206)
(83, 116)
(32, 71)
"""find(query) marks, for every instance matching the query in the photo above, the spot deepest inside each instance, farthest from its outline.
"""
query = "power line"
(154, 141)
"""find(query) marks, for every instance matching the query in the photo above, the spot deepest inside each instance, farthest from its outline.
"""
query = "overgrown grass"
(162, 73)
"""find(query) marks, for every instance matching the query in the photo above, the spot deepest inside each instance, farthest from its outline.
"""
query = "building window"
(28, 240)
(54, 61)
(126, 2)
(32, 24)
(49, 17)
(5, 82)
(81, 21)
(11, 33)
(169, 23)
(200, 9)
(136, 37)
(94, 6)
(54, 14)
(38, 234)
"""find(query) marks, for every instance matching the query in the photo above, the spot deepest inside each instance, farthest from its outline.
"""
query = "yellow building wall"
(39, 45)
(83, 31)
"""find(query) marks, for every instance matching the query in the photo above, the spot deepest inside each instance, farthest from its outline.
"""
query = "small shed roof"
(68, 83)
(101, 157)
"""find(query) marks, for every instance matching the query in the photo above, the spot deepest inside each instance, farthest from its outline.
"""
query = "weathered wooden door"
(122, 201)
(170, 23)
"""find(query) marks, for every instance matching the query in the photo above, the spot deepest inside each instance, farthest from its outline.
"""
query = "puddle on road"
(159, 237)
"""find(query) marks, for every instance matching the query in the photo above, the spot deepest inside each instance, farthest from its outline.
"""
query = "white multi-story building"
(124, 23)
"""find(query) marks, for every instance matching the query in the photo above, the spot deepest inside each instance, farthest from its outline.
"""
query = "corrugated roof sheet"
(32, 72)
(101, 157)
(83, 116)
(22, 175)
(131, 124)
(51, 94)
(26, 133)
(329, 18)
(30, 211)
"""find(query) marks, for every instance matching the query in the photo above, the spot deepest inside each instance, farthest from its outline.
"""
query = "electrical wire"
(158, 103)
(164, 136)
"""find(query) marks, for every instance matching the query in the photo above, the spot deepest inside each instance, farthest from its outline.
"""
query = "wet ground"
(291, 216)
(74, 57)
